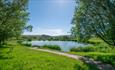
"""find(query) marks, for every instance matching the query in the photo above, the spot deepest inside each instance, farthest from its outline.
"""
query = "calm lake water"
(64, 45)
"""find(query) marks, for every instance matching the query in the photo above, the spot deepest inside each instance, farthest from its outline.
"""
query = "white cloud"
(41, 31)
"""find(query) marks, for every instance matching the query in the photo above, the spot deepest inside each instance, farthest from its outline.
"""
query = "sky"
(50, 17)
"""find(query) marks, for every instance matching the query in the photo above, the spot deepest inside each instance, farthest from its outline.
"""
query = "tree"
(13, 18)
(95, 17)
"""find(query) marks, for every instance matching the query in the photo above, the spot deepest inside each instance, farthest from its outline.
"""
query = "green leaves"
(29, 28)
(13, 18)
(95, 17)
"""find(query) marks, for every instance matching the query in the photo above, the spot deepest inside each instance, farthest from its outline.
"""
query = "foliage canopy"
(94, 17)
(13, 18)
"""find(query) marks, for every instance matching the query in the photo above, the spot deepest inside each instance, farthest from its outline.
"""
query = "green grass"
(104, 57)
(95, 41)
(23, 58)
(98, 51)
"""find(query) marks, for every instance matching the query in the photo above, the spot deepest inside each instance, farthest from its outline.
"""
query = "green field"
(23, 58)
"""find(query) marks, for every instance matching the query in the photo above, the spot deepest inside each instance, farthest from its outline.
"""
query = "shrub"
(95, 48)
(83, 49)
(54, 47)
(95, 41)
(106, 58)
(26, 43)
(20, 41)
(29, 39)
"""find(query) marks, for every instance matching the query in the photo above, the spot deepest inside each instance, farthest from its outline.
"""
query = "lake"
(64, 45)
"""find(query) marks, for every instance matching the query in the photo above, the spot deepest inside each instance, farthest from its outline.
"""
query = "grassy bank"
(108, 58)
(98, 51)
(23, 58)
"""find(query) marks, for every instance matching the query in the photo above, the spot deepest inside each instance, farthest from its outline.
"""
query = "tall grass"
(53, 47)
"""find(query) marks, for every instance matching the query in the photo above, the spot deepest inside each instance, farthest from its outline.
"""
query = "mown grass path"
(99, 64)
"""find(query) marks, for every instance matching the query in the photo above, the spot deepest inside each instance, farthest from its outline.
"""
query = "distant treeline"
(47, 37)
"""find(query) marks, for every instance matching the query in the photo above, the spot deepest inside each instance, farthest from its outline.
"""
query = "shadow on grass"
(2, 57)
(5, 54)
(4, 46)
(85, 66)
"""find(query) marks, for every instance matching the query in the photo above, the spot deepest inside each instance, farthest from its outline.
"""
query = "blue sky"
(50, 17)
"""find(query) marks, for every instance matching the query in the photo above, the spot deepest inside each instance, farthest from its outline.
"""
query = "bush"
(29, 39)
(26, 43)
(20, 41)
(54, 47)
(99, 51)
(83, 49)
(106, 58)
(95, 41)
(95, 48)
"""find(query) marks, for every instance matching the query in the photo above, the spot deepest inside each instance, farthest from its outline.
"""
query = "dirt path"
(99, 64)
